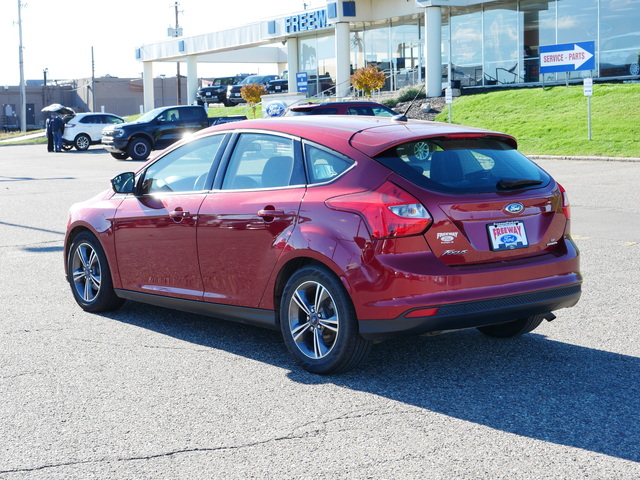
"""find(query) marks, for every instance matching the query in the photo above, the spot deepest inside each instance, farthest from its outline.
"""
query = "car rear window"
(314, 111)
(464, 165)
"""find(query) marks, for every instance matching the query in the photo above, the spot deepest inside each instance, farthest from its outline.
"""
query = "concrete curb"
(584, 158)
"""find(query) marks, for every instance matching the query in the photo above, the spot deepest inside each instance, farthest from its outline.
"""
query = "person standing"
(57, 126)
(49, 130)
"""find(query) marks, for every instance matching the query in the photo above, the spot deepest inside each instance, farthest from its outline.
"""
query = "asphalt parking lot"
(148, 393)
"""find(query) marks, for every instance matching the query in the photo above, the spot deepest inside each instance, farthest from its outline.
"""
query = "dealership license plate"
(507, 235)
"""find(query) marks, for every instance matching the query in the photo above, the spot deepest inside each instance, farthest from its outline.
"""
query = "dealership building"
(464, 43)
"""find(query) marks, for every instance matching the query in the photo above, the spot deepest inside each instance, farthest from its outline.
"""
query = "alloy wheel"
(313, 320)
(87, 272)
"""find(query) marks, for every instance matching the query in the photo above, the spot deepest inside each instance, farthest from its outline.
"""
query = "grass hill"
(553, 121)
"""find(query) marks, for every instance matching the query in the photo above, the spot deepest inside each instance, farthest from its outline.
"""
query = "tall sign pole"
(23, 93)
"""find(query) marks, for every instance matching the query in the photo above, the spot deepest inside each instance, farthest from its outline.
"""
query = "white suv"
(84, 129)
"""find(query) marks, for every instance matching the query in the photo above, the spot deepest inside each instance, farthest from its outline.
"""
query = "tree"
(368, 79)
(251, 92)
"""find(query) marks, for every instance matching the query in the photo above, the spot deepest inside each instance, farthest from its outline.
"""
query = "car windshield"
(150, 115)
(252, 79)
(463, 165)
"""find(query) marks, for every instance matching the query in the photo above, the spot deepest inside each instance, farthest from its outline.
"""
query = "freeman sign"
(306, 21)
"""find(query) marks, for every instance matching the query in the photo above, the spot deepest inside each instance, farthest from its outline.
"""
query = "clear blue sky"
(58, 34)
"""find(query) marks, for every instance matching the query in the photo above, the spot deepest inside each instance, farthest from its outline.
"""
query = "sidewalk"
(26, 136)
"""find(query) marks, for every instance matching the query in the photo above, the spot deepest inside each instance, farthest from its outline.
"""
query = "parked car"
(620, 55)
(339, 231)
(217, 91)
(280, 85)
(84, 129)
(322, 85)
(233, 91)
(157, 129)
(341, 108)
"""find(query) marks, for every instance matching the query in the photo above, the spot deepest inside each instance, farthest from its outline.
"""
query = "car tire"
(513, 329)
(120, 156)
(139, 149)
(89, 275)
(319, 324)
(82, 142)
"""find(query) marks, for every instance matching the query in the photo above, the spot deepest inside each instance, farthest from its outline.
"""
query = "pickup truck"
(156, 130)
(216, 90)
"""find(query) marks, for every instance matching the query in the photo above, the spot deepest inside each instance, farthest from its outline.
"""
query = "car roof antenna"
(402, 117)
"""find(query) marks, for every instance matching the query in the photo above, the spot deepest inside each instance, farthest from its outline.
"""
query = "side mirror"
(124, 182)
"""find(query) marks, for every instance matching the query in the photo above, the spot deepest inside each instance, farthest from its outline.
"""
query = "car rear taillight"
(388, 210)
(566, 206)
(69, 125)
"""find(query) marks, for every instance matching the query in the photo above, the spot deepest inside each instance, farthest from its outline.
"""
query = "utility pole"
(177, 33)
(23, 93)
(93, 82)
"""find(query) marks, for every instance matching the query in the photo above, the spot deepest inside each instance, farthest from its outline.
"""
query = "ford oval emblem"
(276, 109)
(514, 208)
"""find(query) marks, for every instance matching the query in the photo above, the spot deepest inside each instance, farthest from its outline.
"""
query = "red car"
(341, 108)
(339, 231)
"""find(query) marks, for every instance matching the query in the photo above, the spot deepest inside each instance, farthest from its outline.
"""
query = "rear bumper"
(474, 314)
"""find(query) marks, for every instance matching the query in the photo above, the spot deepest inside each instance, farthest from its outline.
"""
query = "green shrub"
(407, 94)
(390, 102)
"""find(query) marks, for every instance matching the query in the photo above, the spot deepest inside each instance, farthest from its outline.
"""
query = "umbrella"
(57, 108)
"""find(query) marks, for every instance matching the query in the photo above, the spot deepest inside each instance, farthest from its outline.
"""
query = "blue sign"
(302, 81)
(306, 21)
(568, 57)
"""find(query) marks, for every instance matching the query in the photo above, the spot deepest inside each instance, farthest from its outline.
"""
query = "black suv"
(233, 92)
(217, 91)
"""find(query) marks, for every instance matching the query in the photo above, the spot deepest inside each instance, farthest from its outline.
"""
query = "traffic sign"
(568, 57)
(588, 87)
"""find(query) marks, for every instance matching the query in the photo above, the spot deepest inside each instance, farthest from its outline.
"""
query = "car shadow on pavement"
(529, 386)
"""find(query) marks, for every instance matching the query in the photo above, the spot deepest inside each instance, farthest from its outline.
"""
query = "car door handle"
(178, 213)
(271, 213)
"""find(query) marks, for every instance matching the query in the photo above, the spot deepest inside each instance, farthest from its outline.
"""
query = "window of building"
(501, 58)
(466, 45)
(619, 52)
(317, 59)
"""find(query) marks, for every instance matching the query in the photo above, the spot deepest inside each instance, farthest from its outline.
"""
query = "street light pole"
(23, 93)
(44, 87)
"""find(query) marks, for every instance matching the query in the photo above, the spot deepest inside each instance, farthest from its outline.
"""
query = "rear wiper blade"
(514, 183)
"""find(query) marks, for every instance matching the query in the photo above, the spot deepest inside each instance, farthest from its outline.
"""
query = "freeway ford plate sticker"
(507, 235)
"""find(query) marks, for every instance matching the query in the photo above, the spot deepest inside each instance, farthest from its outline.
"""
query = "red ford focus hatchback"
(339, 231)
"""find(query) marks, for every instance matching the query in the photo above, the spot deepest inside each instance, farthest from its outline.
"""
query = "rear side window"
(464, 165)
(323, 165)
